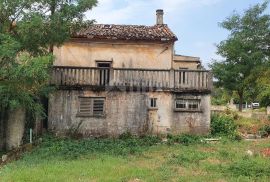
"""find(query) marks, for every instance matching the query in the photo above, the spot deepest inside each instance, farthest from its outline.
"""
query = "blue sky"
(195, 22)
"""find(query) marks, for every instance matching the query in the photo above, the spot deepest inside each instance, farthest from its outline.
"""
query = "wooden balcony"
(127, 78)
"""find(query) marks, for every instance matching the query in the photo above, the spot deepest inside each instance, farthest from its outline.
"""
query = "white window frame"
(187, 103)
(153, 103)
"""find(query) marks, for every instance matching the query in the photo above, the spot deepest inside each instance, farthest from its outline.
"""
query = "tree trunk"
(15, 128)
(51, 48)
(240, 94)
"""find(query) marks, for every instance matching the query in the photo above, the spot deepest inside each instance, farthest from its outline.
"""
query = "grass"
(133, 159)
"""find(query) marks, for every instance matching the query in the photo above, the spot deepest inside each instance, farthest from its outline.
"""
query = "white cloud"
(135, 11)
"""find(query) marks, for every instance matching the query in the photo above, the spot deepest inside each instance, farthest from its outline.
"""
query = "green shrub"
(265, 130)
(185, 139)
(223, 125)
(126, 135)
(250, 167)
(231, 113)
(188, 158)
(249, 125)
(67, 148)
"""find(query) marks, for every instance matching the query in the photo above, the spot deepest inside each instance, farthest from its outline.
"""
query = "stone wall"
(15, 128)
(12, 125)
(126, 112)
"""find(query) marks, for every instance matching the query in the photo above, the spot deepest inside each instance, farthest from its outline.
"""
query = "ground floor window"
(91, 106)
(187, 104)
(153, 103)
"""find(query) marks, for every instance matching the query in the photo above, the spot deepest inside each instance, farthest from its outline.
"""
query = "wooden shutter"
(85, 106)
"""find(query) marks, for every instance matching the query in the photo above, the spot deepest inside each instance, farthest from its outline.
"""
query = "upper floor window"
(104, 72)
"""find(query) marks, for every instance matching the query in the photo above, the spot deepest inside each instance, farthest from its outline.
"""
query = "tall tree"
(28, 31)
(247, 47)
(39, 24)
(262, 82)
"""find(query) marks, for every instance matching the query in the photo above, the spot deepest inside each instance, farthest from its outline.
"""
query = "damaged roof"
(127, 32)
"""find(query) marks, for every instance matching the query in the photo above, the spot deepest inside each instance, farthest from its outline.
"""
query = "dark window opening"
(104, 74)
(180, 104)
(153, 102)
(193, 105)
(104, 65)
(98, 107)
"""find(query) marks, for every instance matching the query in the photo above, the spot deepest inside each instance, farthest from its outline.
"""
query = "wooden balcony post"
(111, 77)
(132, 77)
(172, 79)
(210, 81)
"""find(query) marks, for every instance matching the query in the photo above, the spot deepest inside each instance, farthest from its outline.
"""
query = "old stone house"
(113, 79)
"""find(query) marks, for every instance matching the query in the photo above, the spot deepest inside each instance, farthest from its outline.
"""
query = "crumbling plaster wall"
(185, 64)
(122, 54)
(193, 122)
(126, 112)
(12, 123)
(15, 128)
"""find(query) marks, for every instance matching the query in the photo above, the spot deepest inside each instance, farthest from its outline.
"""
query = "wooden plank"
(180, 79)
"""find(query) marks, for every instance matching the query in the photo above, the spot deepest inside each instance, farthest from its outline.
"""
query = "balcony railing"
(136, 78)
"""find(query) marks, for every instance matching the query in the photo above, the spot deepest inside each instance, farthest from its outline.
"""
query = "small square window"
(153, 103)
(193, 105)
(180, 104)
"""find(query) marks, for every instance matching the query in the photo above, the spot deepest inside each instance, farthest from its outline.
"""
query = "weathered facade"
(11, 128)
(113, 79)
(127, 111)
(186, 62)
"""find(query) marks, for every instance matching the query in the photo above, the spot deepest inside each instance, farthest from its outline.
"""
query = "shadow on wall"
(2, 130)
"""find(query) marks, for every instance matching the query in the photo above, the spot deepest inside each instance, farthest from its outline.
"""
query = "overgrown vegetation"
(140, 159)
(220, 96)
(68, 148)
(265, 130)
(28, 32)
(184, 139)
(230, 124)
(223, 125)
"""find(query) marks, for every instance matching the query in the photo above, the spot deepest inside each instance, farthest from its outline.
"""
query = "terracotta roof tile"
(127, 32)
